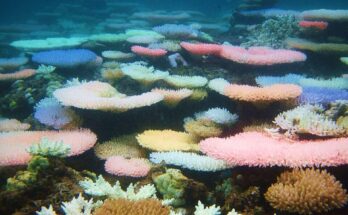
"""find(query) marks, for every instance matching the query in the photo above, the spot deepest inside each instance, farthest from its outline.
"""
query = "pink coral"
(201, 48)
(23, 74)
(261, 55)
(120, 166)
(313, 24)
(276, 92)
(13, 145)
(259, 149)
(147, 52)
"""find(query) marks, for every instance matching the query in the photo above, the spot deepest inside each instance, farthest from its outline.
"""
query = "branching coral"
(273, 32)
(102, 188)
(306, 191)
(308, 119)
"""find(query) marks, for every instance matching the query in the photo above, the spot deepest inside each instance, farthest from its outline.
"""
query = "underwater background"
(173, 107)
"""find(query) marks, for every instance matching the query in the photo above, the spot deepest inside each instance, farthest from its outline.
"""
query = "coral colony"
(141, 111)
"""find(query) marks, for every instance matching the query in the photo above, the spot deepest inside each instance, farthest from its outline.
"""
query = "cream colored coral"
(125, 146)
(167, 140)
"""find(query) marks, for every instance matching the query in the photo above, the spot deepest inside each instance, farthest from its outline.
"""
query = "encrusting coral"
(306, 191)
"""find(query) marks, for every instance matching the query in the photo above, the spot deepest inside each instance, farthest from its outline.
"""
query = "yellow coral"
(198, 95)
(167, 140)
(112, 74)
(306, 192)
(125, 146)
(124, 206)
(202, 128)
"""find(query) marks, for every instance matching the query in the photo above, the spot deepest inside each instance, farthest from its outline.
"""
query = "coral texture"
(167, 140)
(133, 167)
(306, 191)
(259, 149)
(123, 206)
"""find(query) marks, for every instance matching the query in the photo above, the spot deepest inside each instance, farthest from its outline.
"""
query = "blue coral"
(313, 95)
(65, 58)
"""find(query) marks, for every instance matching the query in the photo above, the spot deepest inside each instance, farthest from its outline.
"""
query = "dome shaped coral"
(306, 192)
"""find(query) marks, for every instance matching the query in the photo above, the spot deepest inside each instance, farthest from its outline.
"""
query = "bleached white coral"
(80, 206)
(141, 72)
(46, 211)
(218, 85)
(218, 115)
(308, 119)
(186, 81)
(190, 161)
(202, 210)
(103, 188)
(77, 206)
(49, 148)
(43, 69)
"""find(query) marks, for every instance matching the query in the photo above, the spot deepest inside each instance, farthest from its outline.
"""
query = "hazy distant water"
(19, 10)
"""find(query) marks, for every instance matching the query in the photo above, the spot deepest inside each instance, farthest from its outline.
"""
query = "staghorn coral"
(124, 206)
(49, 148)
(306, 191)
(125, 145)
(100, 187)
